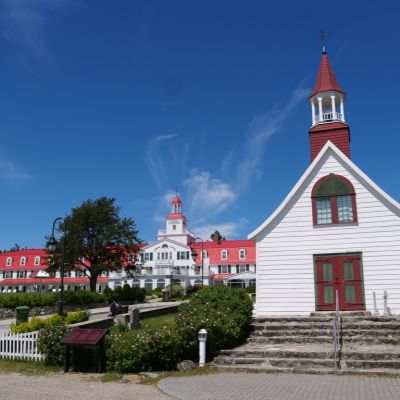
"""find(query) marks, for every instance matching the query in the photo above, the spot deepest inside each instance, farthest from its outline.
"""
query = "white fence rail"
(21, 345)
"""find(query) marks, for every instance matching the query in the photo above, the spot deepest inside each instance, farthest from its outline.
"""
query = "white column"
(333, 107)
(313, 112)
(342, 108)
(320, 109)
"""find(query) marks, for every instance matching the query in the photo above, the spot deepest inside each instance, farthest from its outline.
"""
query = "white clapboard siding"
(20, 346)
(287, 244)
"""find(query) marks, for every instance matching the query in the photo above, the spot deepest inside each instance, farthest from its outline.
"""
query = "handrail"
(337, 322)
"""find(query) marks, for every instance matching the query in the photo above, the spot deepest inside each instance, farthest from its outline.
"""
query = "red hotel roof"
(233, 247)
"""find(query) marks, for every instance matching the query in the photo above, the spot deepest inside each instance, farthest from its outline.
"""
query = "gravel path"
(72, 386)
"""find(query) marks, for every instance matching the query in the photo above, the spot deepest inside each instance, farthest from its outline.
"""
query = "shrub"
(178, 291)
(34, 324)
(250, 289)
(49, 340)
(225, 313)
(76, 316)
(190, 290)
(107, 294)
(157, 292)
(12, 300)
(130, 294)
(146, 350)
(82, 297)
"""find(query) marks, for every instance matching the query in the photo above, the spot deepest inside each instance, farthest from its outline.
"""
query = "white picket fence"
(21, 345)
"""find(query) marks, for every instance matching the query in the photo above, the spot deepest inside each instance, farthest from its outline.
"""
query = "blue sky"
(130, 99)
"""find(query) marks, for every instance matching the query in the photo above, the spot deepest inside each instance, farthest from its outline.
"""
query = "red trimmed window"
(334, 201)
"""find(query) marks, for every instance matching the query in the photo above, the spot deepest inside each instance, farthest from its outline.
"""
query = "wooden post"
(67, 353)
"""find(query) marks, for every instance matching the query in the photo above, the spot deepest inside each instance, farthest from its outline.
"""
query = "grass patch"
(110, 377)
(206, 370)
(167, 320)
(26, 367)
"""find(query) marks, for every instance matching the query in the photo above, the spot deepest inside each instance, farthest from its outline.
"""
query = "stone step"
(290, 339)
(363, 340)
(223, 360)
(345, 333)
(277, 362)
(321, 371)
(302, 363)
(266, 353)
(289, 320)
(360, 339)
(395, 325)
(348, 314)
(279, 327)
(373, 355)
(371, 364)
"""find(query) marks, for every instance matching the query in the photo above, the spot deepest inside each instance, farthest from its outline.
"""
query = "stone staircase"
(369, 345)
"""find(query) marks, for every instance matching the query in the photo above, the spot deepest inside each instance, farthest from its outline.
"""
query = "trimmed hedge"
(12, 300)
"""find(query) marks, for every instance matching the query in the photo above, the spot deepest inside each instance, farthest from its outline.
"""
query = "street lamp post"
(194, 255)
(52, 247)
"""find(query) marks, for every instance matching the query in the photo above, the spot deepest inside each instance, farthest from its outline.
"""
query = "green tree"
(95, 239)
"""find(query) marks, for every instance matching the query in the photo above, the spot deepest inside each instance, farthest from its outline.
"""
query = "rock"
(186, 365)
(153, 374)
(132, 378)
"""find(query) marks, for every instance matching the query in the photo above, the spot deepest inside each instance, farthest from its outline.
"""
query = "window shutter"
(229, 269)
(219, 269)
(151, 256)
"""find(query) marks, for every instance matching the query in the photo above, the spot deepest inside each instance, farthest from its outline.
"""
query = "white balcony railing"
(328, 116)
(164, 263)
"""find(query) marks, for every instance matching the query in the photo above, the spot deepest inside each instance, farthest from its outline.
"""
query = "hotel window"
(224, 254)
(22, 261)
(37, 260)
(9, 261)
(242, 254)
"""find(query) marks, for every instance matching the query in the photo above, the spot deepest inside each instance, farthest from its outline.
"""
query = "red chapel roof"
(326, 79)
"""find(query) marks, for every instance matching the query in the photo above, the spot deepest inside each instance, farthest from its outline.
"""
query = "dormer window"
(333, 201)
(224, 254)
(22, 261)
(205, 255)
(242, 254)
(37, 260)
(9, 261)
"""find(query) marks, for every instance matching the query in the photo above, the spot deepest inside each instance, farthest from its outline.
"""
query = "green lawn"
(167, 320)
(26, 367)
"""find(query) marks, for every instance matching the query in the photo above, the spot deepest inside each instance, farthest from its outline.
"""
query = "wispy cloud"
(155, 159)
(24, 22)
(231, 230)
(260, 129)
(208, 195)
(12, 172)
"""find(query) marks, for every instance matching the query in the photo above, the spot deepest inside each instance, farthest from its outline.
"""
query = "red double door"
(341, 274)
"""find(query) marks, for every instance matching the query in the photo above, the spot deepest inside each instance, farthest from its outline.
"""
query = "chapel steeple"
(327, 111)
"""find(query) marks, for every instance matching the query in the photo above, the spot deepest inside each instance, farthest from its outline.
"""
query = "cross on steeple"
(322, 35)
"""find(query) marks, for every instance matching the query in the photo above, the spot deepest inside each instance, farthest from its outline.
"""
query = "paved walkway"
(241, 386)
